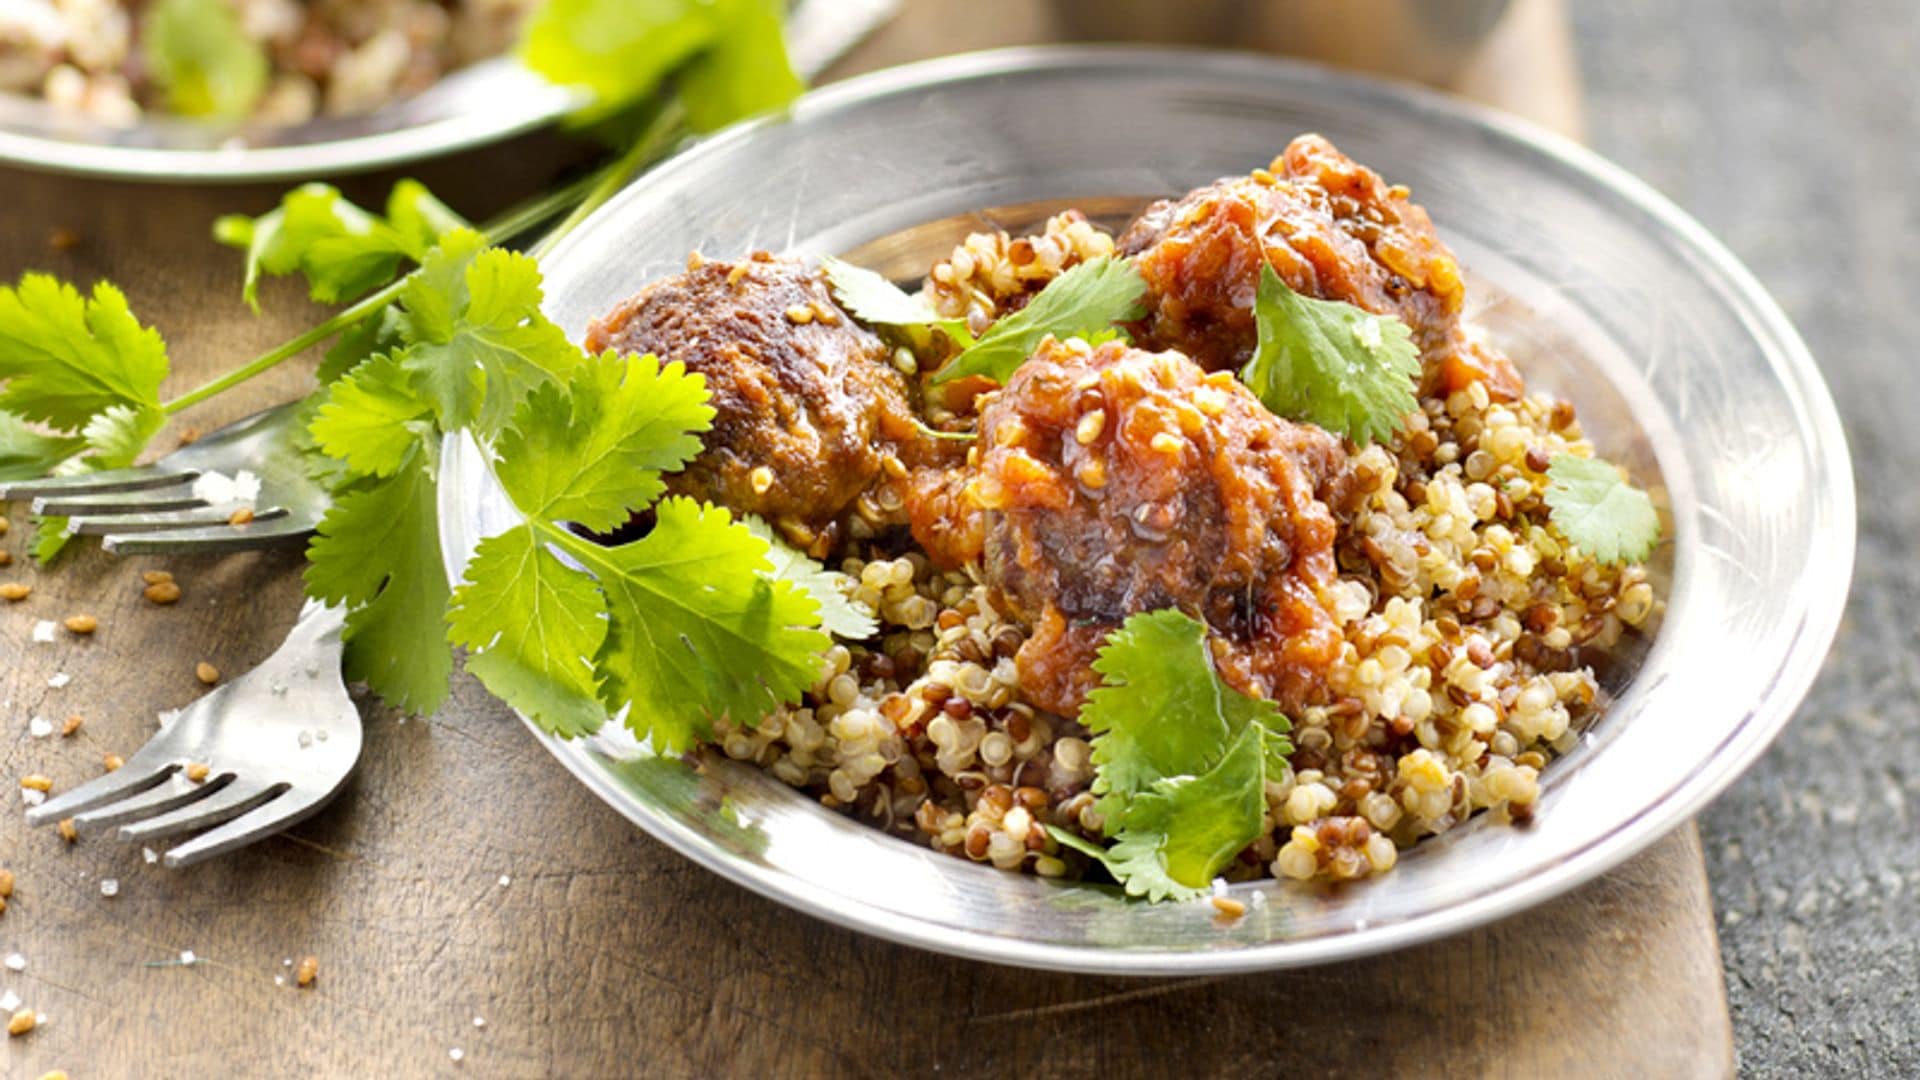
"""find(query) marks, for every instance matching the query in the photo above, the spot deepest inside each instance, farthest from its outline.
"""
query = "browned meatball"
(1332, 229)
(807, 409)
(1112, 481)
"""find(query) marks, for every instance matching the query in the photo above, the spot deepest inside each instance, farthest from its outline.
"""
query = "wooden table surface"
(466, 894)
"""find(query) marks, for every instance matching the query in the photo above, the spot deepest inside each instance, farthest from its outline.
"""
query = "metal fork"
(153, 509)
(277, 743)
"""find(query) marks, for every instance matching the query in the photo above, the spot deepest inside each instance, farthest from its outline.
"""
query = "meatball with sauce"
(1331, 228)
(1112, 481)
(809, 414)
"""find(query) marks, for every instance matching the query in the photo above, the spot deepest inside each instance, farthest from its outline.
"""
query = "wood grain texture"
(604, 953)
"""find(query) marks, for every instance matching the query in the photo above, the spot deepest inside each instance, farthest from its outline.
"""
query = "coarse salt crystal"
(150, 855)
(43, 632)
(306, 739)
(479, 1021)
(505, 881)
(109, 886)
(32, 796)
(59, 679)
(39, 727)
(9, 1001)
(167, 717)
(321, 735)
(456, 1053)
(279, 688)
(187, 958)
(279, 980)
(16, 962)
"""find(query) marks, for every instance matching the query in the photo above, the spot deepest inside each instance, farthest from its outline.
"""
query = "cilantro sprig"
(342, 250)
(1330, 363)
(1180, 758)
(1592, 503)
(1087, 301)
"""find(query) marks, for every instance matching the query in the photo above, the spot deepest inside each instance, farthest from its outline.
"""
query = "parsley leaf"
(478, 339)
(591, 454)
(378, 552)
(1330, 363)
(745, 71)
(1592, 503)
(342, 250)
(26, 453)
(532, 626)
(696, 629)
(199, 52)
(874, 300)
(1085, 301)
(1180, 757)
(65, 359)
(730, 54)
(689, 622)
(371, 418)
(840, 615)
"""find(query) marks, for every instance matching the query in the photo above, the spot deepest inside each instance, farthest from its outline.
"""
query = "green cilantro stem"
(585, 194)
(660, 133)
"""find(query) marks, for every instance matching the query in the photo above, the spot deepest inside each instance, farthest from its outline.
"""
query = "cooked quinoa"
(1408, 605)
(1471, 641)
(327, 57)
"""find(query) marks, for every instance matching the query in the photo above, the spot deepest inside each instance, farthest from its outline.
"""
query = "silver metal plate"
(1682, 367)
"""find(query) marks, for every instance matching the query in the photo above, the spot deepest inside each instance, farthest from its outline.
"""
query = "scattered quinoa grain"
(63, 239)
(21, 1022)
(197, 772)
(155, 577)
(81, 624)
(71, 724)
(206, 673)
(37, 782)
(308, 970)
(1228, 907)
(67, 831)
(6, 558)
(6, 884)
(162, 592)
(189, 436)
(15, 591)
(112, 762)
(240, 517)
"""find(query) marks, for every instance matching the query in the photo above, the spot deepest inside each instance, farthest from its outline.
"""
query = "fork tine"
(128, 779)
(192, 517)
(269, 817)
(229, 802)
(174, 497)
(175, 790)
(98, 483)
(279, 530)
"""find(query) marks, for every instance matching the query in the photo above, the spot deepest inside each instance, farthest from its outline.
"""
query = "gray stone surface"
(1791, 128)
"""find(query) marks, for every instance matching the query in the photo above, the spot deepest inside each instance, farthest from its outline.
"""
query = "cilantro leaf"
(371, 419)
(479, 341)
(1177, 835)
(696, 630)
(378, 552)
(745, 71)
(839, 615)
(1086, 300)
(371, 336)
(199, 52)
(1593, 504)
(874, 300)
(532, 625)
(50, 538)
(116, 435)
(65, 359)
(1330, 363)
(593, 453)
(342, 250)
(1180, 757)
(616, 50)
(26, 453)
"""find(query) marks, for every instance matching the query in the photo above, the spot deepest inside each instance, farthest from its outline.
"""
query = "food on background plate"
(1224, 550)
(274, 61)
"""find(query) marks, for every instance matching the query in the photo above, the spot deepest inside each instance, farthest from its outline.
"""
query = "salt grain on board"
(59, 679)
(39, 727)
(43, 632)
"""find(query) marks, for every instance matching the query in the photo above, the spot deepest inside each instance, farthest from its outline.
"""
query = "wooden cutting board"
(466, 894)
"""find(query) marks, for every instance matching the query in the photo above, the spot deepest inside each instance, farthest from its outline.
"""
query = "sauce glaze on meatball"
(1112, 481)
(1332, 229)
